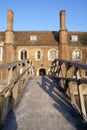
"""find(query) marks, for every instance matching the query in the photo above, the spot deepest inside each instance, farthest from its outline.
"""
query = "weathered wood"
(72, 96)
(80, 93)
(71, 72)
(5, 106)
(12, 85)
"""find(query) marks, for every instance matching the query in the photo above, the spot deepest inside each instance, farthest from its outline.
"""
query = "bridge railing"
(13, 77)
(71, 76)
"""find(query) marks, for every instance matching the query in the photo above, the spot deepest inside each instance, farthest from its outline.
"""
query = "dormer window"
(74, 38)
(33, 37)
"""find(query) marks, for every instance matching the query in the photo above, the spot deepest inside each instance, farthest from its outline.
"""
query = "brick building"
(42, 47)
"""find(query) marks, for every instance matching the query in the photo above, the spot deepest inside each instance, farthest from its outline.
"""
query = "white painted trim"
(73, 54)
(19, 53)
(52, 50)
(36, 55)
(1, 53)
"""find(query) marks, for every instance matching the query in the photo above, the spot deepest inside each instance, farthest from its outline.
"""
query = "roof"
(43, 38)
(82, 38)
(2, 36)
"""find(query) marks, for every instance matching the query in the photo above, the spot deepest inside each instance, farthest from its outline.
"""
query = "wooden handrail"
(13, 77)
(70, 63)
(71, 77)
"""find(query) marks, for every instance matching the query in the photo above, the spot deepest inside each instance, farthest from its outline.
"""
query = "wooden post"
(72, 96)
(80, 93)
(5, 106)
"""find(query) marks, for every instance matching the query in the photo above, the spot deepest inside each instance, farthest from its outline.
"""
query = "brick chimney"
(63, 47)
(63, 30)
(9, 48)
(9, 36)
(62, 20)
(10, 20)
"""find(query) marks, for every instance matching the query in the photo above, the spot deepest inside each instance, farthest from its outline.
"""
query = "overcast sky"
(44, 14)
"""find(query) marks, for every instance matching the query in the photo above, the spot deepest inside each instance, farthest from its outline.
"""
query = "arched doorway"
(42, 71)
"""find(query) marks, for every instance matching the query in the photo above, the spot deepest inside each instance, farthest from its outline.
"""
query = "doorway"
(42, 72)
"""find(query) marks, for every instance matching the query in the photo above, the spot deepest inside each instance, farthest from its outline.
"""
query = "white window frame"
(74, 38)
(76, 54)
(1, 53)
(19, 53)
(33, 38)
(49, 57)
(37, 54)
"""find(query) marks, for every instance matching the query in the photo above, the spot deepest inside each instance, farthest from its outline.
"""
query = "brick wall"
(38, 64)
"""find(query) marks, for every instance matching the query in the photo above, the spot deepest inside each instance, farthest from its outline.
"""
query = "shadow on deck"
(62, 103)
(59, 101)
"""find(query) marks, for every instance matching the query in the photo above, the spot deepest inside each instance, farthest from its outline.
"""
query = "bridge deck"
(43, 107)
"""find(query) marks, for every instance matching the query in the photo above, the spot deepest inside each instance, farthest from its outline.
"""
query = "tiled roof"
(82, 38)
(2, 36)
(43, 38)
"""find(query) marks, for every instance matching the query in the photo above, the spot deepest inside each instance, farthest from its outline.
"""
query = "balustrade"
(71, 76)
(13, 77)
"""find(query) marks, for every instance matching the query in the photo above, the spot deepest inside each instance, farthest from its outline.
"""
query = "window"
(1, 53)
(86, 73)
(74, 38)
(23, 54)
(33, 37)
(52, 54)
(77, 55)
(38, 55)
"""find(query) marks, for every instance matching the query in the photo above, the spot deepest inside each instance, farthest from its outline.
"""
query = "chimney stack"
(63, 47)
(63, 30)
(62, 20)
(9, 35)
(9, 48)
(10, 20)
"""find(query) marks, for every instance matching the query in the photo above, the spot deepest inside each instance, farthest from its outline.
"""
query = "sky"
(43, 15)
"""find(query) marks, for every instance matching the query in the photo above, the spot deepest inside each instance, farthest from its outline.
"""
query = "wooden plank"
(75, 64)
(80, 93)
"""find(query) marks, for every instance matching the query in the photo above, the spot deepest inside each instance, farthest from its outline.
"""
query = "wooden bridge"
(55, 102)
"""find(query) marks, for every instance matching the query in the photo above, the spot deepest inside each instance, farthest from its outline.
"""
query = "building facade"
(42, 47)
